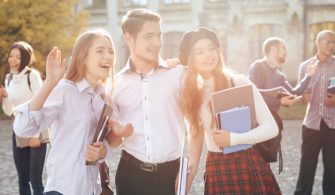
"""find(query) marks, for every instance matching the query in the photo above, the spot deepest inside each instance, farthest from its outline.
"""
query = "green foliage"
(42, 23)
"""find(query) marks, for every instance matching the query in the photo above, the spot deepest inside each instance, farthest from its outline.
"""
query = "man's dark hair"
(133, 21)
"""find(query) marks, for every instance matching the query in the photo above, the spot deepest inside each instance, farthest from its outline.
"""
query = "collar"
(83, 85)
(328, 60)
(129, 67)
(268, 62)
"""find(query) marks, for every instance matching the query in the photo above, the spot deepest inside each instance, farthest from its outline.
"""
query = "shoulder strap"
(28, 78)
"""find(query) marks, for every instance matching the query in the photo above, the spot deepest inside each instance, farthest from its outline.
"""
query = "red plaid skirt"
(243, 172)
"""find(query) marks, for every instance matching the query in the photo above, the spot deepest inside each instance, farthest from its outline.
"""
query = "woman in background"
(21, 84)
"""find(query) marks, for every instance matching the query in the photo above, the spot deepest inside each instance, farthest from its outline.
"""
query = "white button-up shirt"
(152, 103)
(72, 110)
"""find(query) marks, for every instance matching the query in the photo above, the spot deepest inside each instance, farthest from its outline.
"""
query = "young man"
(265, 73)
(147, 94)
(318, 130)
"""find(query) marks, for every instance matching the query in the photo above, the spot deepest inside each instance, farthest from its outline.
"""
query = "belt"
(145, 166)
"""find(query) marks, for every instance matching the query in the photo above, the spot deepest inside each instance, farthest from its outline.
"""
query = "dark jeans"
(29, 164)
(130, 179)
(312, 142)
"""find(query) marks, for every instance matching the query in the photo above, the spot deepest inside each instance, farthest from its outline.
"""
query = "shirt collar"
(271, 65)
(130, 66)
(83, 85)
(328, 61)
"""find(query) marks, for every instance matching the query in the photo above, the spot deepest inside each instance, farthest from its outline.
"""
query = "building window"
(176, 1)
(314, 29)
(99, 4)
(130, 3)
(257, 35)
(170, 47)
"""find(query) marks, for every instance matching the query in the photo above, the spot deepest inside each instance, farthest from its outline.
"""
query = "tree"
(42, 23)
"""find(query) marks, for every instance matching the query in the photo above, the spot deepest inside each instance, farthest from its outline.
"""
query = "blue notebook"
(236, 120)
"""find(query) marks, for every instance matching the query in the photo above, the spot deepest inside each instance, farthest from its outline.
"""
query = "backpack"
(270, 150)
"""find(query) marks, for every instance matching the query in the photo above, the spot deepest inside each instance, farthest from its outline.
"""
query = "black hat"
(191, 37)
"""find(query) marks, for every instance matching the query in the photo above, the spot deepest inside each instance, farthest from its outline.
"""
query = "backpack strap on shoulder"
(28, 78)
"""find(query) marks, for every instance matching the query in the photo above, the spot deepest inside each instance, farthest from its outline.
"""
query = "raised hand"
(312, 67)
(55, 66)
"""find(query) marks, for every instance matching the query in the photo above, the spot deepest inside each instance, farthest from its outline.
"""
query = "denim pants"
(29, 164)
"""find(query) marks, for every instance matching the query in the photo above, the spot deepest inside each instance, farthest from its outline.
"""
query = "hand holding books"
(96, 150)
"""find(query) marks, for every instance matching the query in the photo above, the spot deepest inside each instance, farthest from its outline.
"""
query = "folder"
(102, 127)
(277, 92)
(331, 87)
(237, 120)
(182, 175)
(235, 97)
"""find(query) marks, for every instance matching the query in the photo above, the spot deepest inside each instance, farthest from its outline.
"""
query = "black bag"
(270, 150)
(105, 180)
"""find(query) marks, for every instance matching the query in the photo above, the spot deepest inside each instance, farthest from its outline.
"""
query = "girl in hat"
(241, 172)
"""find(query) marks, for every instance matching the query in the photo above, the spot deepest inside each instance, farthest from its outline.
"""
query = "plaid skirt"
(243, 172)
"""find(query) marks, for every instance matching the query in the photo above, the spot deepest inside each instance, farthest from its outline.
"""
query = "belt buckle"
(148, 167)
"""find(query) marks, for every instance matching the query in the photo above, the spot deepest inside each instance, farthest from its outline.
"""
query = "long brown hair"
(192, 96)
(76, 70)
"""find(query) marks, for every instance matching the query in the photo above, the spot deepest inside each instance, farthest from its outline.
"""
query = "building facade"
(242, 25)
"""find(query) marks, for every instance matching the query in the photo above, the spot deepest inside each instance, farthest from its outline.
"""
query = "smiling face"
(205, 57)
(14, 60)
(99, 60)
(146, 45)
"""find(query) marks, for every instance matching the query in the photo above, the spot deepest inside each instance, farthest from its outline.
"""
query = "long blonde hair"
(76, 70)
(192, 96)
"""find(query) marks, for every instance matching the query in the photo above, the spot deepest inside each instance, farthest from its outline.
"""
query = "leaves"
(42, 23)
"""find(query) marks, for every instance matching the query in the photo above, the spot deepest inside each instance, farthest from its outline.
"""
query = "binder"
(331, 87)
(183, 167)
(102, 127)
(234, 97)
(237, 120)
(277, 92)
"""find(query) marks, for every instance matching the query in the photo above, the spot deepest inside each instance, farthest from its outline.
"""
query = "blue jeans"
(29, 164)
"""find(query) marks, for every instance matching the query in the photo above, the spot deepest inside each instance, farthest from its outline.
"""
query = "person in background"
(21, 84)
(71, 107)
(318, 129)
(241, 172)
(266, 74)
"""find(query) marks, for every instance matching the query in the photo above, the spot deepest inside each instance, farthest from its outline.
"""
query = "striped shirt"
(72, 111)
(316, 109)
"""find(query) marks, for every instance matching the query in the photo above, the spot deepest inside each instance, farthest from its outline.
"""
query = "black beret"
(191, 37)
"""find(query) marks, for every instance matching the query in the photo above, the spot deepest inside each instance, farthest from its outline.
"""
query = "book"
(23, 142)
(232, 98)
(183, 166)
(237, 120)
(277, 92)
(102, 127)
(331, 87)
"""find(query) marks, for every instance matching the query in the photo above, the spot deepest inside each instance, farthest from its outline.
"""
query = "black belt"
(149, 167)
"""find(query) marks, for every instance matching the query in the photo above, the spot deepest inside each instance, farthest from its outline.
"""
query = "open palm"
(55, 66)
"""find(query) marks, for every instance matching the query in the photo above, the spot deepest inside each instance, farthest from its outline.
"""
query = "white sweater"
(265, 130)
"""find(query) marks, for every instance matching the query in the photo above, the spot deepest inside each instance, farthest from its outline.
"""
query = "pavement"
(287, 179)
